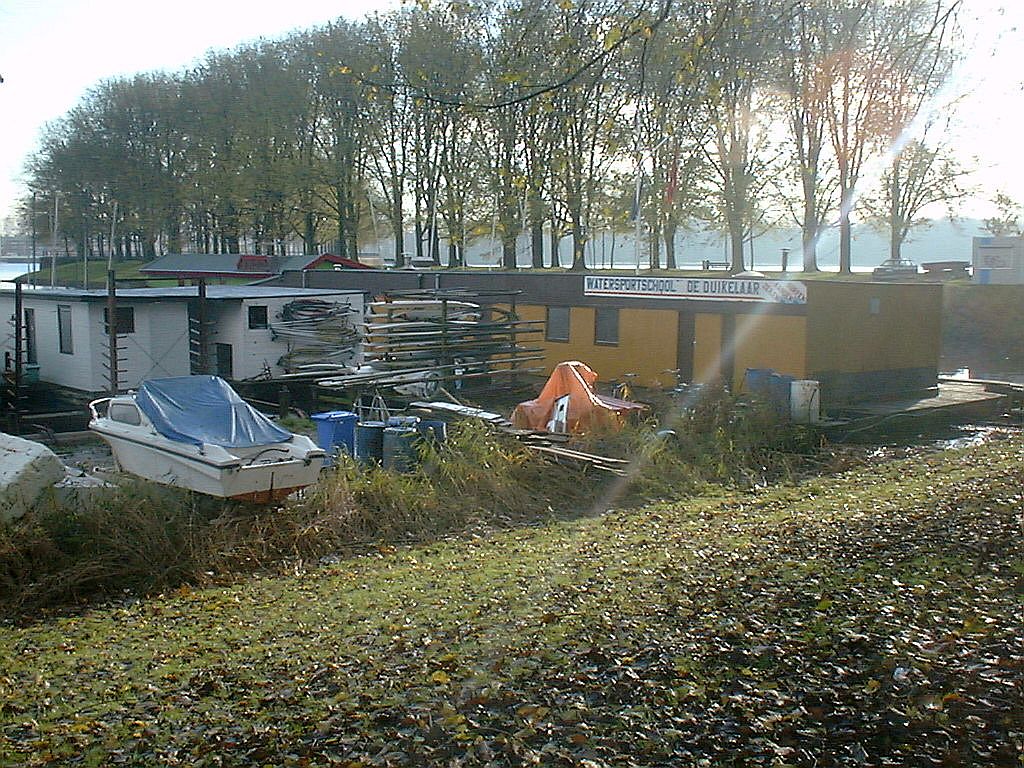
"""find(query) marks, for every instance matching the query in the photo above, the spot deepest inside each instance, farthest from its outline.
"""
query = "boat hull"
(257, 479)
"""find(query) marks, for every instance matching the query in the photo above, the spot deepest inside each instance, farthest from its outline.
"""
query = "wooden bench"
(707, 265)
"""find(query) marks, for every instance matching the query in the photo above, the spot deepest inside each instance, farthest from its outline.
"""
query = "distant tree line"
(465, 117)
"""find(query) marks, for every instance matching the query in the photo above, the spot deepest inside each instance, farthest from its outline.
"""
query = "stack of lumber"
(552, 445)
(432, 337)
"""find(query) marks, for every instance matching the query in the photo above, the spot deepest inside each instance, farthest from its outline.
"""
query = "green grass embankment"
(872, 617)
(69, 273)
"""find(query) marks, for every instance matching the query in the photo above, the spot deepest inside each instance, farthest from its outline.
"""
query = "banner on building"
(701, 288)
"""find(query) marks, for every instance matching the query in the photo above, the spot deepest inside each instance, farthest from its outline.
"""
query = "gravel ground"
(86, 455)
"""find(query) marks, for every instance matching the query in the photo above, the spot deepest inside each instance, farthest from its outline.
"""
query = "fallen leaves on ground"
(871, 618)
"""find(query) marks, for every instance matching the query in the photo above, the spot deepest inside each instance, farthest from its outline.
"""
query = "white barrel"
(805, 401)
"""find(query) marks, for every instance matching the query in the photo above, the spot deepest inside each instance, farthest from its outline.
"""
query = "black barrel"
(370, 442)
(400, 448)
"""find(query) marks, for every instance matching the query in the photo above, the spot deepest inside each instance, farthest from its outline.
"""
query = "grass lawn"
(870, 618)
(70, 273)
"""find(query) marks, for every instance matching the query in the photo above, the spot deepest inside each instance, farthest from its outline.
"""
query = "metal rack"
(419, 340)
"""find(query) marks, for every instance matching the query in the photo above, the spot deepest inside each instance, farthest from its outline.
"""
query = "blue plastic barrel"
(370, 442)
(400, 448)
(336, 429)
(435, 431)
(779, 393)
(757, 380)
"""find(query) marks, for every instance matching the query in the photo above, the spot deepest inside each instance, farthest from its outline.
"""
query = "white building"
(998, 260)
(65, 331)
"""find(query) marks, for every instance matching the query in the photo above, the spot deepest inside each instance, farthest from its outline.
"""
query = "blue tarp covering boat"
(205, 409)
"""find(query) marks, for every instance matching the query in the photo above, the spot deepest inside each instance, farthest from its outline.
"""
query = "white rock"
(26, 470)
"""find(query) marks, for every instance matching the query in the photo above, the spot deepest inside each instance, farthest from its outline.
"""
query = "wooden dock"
(955, 400)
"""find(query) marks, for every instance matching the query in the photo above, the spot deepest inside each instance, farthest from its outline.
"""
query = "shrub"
(147, 537)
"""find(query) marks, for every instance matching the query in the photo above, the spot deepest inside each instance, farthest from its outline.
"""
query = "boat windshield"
(205, 409)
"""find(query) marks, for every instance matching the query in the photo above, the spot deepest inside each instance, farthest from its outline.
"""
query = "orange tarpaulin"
(586, 411)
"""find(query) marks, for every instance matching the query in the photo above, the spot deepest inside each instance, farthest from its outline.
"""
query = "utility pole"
(19, 371)
(112, 332)
(53, 240)
(636, 211)
(110, 244)
(33, 217)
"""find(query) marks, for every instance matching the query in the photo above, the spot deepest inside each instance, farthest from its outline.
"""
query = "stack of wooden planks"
(549, 444)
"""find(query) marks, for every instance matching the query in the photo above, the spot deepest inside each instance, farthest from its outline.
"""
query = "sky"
(53, 51)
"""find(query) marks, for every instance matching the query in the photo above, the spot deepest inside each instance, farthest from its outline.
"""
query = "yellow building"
(861, 340)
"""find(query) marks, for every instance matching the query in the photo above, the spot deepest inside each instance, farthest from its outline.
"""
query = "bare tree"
(739, 111)
(812, 39)
(1007, 221)
(918, 178)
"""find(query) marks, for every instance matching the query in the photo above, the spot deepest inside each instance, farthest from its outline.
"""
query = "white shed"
(998, 260)
(65, 331)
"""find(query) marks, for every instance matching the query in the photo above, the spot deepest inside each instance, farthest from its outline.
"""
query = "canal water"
(12, 269)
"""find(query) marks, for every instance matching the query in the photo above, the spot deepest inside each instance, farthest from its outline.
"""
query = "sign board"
(699, 288)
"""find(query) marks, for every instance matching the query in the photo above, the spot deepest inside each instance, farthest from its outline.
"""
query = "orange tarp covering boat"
(587, 410)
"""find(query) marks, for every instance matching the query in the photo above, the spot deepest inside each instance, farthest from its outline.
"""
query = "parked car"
(895, 268)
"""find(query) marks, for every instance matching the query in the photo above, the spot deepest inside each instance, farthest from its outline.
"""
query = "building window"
(67, 346)
(606, 326)
(125, 320)
(258, 316)
(557, 324)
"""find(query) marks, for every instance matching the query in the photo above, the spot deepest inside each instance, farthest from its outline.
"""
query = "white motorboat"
(195, 432)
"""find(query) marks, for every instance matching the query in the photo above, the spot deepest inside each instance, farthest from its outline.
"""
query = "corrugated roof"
(213, 292)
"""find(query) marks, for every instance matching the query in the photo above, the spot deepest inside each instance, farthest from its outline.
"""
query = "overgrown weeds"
(720, 439)
(145, 537)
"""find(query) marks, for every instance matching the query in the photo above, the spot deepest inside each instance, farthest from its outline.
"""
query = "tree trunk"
(352, 211)
(309, 233)
(399, 236)
(809, 243)
(670, 244)
(508, 250)
(396, 224)
(174, 233)
(845, 238)
(507, 216)
(809, 236)
(579, 244)
(735, 245)
(556, 241)
(341, 223)
(846, 199)
(536, 230)
(418, 236)
(895, 241)
(655, 246)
